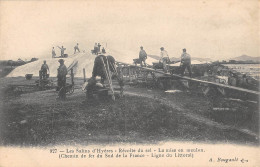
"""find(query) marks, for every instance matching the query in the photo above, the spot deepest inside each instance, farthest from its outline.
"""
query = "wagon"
(28, 76)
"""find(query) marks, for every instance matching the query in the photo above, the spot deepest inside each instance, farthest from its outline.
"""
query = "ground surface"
(142, 116)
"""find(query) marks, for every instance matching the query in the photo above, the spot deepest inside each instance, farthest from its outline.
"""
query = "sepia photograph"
(129, 83)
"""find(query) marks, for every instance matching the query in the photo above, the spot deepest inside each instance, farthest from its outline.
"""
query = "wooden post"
(40, 77)
(84, 74)
(72, 77)
(129, 74)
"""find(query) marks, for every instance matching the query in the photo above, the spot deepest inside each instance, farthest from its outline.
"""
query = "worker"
(62, 72)
(91, 88)
(44, 70)
(142, 56)
(62, 49)
(95, 88)
(76, 48)
(99, 47)
(185, 62)
(100, 67)
(103, 50)
(53, 52)
(164, 59)
(96, 49)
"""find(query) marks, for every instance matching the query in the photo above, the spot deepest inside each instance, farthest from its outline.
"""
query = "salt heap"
(84, 60)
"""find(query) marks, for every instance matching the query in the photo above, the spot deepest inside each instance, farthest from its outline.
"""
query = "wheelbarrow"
(28, 76)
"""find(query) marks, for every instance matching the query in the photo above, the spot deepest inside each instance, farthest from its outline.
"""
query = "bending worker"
(142, 56)
(96, 49)
(164, 59)
(62, 72)
(185, 62)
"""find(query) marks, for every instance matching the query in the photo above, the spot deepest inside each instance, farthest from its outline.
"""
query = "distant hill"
(246, 58)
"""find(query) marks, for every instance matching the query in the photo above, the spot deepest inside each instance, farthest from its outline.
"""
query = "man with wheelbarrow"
(142, 56)
(61, 75)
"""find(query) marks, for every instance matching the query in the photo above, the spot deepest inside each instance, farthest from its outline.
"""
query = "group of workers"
(97, 48)
(62, 70)
(101, 64)
(62, 50)
(164, 59)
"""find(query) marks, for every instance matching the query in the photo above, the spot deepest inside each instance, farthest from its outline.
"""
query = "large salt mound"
(84, 60)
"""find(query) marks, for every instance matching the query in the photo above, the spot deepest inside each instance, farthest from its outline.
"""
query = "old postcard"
(129, 83)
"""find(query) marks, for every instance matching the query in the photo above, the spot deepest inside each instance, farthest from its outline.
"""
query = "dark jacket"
(62, 71)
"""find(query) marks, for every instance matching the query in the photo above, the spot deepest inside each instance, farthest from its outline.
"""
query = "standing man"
(76, 48)
(96, 48)
(53, 52)
(62, 72)
(62, 49)
(164, 58)
(142, 56)
(44, 69)
(185, 62)
(99, 47)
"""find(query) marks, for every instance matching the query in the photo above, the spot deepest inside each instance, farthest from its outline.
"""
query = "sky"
(216, 29)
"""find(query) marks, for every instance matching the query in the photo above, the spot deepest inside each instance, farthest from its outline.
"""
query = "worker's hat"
(162, 48)
(141, 47)
(61, 60)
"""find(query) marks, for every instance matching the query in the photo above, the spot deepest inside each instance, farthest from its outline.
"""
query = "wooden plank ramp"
(196, 80)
